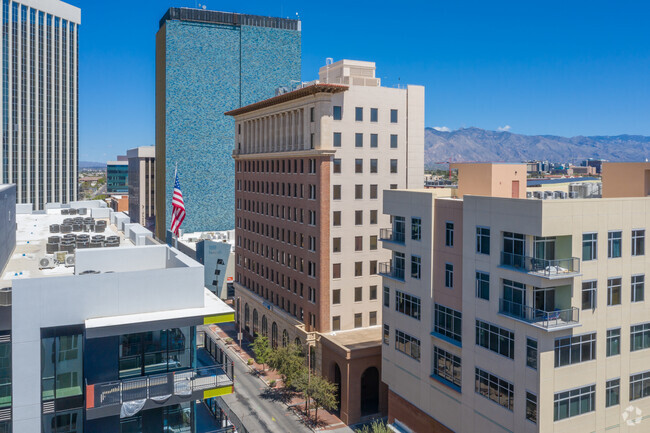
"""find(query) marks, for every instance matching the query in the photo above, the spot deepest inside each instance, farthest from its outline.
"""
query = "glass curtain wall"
(156, 351)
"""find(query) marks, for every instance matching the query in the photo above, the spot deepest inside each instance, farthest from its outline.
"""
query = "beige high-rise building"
(142, 185)
(312, 166)
(518, 315)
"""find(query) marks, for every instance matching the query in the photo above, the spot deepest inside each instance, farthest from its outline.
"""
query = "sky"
(530, 67)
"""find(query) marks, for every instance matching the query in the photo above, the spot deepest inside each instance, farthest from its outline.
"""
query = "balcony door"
(544, 299)
(399, 228)
(545, 248)
(514, 296)
(514, 248)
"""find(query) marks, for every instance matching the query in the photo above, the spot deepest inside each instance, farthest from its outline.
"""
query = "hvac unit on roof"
(46, 262)
(69, 260)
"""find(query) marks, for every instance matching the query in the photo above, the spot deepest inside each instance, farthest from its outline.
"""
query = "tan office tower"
(518, 314)
(311, 168)
(142, 185)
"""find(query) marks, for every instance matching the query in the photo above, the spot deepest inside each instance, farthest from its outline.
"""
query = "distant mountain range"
(90, 164)
(475, 144)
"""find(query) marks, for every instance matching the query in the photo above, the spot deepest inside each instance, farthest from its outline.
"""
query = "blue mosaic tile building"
(208, 63)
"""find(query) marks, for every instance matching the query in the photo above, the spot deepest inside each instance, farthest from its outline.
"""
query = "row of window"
(358, 320)
(358, 269)
(337, 114)
(358, 166)
(337, 217)
(399, 228)
(614, 244)
(279, 166)
(280, 189)
(358, 295)
(337, 140)
(358, 243)
(614, 290)
(358, 192)
(288, 213)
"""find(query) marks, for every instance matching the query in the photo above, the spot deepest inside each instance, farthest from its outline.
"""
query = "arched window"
(285, 338)
(297, 342)
(265, 327)
(255, 322)
(247, 318)
(274, 335)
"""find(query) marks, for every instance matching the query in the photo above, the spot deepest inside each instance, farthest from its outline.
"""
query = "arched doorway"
(247, 318)
(265, 327)
(274, 335)
(370, 391)
(337, 382)
(256, 328)
(285, 338)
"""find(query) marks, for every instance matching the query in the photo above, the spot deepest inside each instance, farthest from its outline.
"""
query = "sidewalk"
(327, 421)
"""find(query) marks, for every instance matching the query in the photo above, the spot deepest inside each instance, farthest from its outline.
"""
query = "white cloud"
(442, 128)
(504, 128)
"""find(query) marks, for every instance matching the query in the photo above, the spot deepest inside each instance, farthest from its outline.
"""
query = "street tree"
(262, 350)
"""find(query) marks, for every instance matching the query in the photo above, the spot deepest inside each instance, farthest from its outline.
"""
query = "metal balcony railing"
(391, 236)
(157, 387)
(388, 270)
(558, 268)
(544, 319)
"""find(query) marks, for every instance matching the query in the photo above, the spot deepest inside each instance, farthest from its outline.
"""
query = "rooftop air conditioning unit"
(69, 260)
(46, 262)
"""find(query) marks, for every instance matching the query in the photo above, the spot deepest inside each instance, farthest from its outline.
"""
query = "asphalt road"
(254, 403)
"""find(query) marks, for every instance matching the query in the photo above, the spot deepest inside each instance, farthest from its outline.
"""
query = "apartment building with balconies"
(514, 314)
(311, 169)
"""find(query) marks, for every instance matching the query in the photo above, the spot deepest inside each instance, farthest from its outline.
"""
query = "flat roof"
(355, 339)
(228, 18)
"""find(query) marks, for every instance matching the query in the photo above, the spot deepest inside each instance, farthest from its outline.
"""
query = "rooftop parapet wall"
(492, 180)
(626, 179)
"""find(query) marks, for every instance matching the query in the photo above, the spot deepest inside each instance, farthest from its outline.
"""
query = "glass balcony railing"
(545, 319)
(388, 270)
(390, 235)
(559, 268)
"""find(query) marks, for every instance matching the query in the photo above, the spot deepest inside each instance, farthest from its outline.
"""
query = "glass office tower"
(208, 63)
(39, 100)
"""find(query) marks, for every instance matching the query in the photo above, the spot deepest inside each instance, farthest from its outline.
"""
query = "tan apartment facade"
(550, 329)
(311, 168)
(142, 185)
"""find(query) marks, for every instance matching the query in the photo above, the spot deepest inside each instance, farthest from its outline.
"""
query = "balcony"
(389, 235)
(386, 269)
(555, 320)
(550, 269)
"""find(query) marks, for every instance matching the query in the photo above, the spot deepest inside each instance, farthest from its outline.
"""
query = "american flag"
(178, 207)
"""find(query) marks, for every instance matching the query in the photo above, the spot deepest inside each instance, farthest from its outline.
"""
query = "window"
(589, 246)
(573, 350)
(639, 385)
(589, 295)
(336, 245)
(613, 342)
(373, 242)
(358, 140)
(373, 166)
(358, 114)
(494, 388)
(337, 139)
(336, 270)
(613, 291)
(449, 234)
(449, 275)
(496, 339)
(408, 345)
(614, 240)
(373, 267)
(373, 293)
(574, 402)
(406, 304)
(372, 318)
(336, 296)
(358, 269)
(337, 112)
(416, 263)
(311, 116)
(393, 166)
(393, 116)
(638, 285)
(612, 392)
(531, 407)
(311, 140)
(358, 243)
(62, 366)
(483, 285)
(483, 240)
(393, 186)
(374, 140)
(337, 165)
(373, 216)
(393, 141)
(448, 322)
(447, 366)
(531, 353)
(373, 115)
(358, 294)
(358, 192)
(336, 323)
(386, 334)
(336, 218)
(358, 217)
(638, 242)
(336, 192)
(416, 229)
(358, 165)
(639, 337)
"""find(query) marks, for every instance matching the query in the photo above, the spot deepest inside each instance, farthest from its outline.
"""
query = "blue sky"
(533, 67)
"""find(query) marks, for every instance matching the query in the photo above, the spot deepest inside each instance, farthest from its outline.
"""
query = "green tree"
(376, 427)
(288, 361)
(323, 393)
(262, 350)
